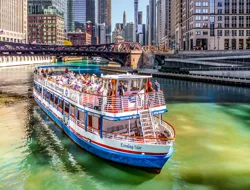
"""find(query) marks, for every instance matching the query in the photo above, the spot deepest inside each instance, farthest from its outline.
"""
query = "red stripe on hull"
(116, 149)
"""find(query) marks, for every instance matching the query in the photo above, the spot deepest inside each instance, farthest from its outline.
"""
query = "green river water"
(212, 148)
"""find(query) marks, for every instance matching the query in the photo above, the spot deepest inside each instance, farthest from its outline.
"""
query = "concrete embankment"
(10, 61)
(190, 77)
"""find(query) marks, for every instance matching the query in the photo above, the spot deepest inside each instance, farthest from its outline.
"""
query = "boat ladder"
(146, 123)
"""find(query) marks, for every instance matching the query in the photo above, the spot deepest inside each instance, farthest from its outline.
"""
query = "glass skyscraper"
(104, 16)
(71, 16)
(84, 11)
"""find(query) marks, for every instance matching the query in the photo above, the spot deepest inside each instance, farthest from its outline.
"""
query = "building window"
(227, 33)
(219, 18)
(197, 10)
(219, 25)
(205, 4)
(197, 25)
(205, 18)
(219, 32)
(234, 21)
(248, 33)
(241, 21)
(227, 22)
(219, 11)
(205, 11)
(241, 32)
(198, 18)
(234, 32)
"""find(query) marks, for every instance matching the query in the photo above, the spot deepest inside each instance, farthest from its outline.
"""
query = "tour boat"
(126, 128)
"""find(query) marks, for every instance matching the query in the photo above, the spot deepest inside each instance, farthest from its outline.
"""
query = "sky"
(119, 6)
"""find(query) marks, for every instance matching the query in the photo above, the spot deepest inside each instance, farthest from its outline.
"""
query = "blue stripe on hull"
(145, 161)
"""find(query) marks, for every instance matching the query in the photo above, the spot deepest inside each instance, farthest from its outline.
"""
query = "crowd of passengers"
(91, 83)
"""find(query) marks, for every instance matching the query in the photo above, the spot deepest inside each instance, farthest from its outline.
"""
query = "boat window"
(66, 108)
(81, 117)
(48, 96)
(72, 110)
(56, 101)
(44, 94)
(51, 98)
(60, 107)
(135, 84)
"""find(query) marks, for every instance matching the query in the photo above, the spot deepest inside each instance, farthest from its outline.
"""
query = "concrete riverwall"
(235, 74)
(188, 77)
(7, 61)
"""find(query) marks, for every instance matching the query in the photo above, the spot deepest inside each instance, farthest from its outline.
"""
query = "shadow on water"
(238, 112)
(50, 147)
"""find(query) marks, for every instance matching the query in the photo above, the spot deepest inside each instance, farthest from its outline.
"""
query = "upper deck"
(114, 96)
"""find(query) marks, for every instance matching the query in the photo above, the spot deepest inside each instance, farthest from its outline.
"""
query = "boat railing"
(163, 127)
(108, 104)
(126, 137)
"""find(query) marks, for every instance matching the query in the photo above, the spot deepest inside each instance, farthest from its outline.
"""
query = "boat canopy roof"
(56, 66)
(125, 77)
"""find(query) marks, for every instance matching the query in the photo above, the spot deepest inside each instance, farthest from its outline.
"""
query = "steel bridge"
(119, 52)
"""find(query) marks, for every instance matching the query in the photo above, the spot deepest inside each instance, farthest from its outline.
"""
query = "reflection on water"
(211, 151)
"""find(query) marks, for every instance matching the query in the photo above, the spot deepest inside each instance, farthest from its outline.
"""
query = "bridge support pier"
(136, 58)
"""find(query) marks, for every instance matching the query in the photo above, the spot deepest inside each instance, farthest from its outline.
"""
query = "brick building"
(79, 38)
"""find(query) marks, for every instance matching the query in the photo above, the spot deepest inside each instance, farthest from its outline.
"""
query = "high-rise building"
(130, 35)
(211, 24)
(140, 17)
(161, 23)
(80, 14)
(101, 33)
(136, 15)
(141, 36)
(147, 26)
(39, 6)
(13, 20)
(46, 28)
(90, 11)
(152, 23)
(71, 16)
(124, 19)
(104, 16)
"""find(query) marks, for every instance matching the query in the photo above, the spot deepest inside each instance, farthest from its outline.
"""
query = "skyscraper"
(136, 15)
(130, 32)
(104, 16)
(152, 22)
(140, 17)
(71, 16)
(13, 20)
(147, 26)
(90, 11)
(124, 19)
(84, 12)
(80, 14)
